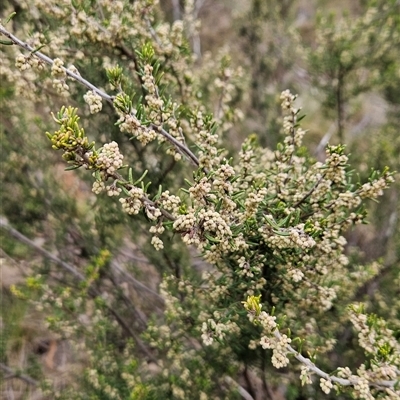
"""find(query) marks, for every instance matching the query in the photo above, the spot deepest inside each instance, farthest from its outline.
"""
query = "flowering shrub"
(275, 285)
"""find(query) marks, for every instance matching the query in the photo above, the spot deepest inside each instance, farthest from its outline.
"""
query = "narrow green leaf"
(10, 17)
(281, 233)
(188, 182)
(37, 49)
(141, 178)
(130, 176)
(211, 239)
(145, 187)
(126, 191)
(158, 195)
(6, 42)
(301, 117)
(72, 167)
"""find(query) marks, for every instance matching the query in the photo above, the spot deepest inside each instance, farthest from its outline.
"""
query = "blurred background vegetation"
(342, 60)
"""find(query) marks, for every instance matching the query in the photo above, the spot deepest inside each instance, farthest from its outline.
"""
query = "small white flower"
(326, 385)
(157, 243)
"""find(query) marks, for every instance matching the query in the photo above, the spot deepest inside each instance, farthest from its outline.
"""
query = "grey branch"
(48, 60)
(18, 375)
(19, 236)
(242, 391)
(181, 147)
(344, 382)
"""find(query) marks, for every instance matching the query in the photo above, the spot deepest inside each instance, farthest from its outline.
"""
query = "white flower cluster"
(347, 200)
(206, 141)
(155, 103)
(110, 159)
(361, 388)
(293, 134)
(148, 79)
(93, 378)
(300, 238)
(253, 201)
(320, 185)
(267, 322)
(174, 129)
(213, 222)
(336, 164)
(133, 204)
(368, 337)
(279, 359)
(245, 268)
(59, 77)
(295, 275)
(375, 188)
(74, 70)
(23, 62)
(94, 101)
(132, 125)
(176, 34)
(208, 329)
(365, 377)
(98, 187)
(287, 99)
(221, 179)
(157, 243)
(344, 372)
(113, 190)
(157, 229)
(305, 376)
(279, 346)
(178, 392)
(57, 69)
(187, 225)
(61, 87)
(200, 190)
(326, 297)
(170, 202)
(209, 221)
(287, 237)
(153, 213)
(212, 329)
(326, 385)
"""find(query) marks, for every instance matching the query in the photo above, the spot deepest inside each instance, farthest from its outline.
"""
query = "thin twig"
(48, 60)
(325, 139)
(309, 193)
(129, 305)
(181, 147)
(135, 282)
(144, 199)
(92, 291)
(18, 375)
(341, 381)
(242, 391)
(22, 238)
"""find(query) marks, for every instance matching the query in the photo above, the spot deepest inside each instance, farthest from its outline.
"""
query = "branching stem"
(182, 148)
(341, 381)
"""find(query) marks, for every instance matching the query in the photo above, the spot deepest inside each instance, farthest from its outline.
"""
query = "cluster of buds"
(94, 101)
(25, 62)
(59, 74)
(133, 204)
(110, 158)
(129, 123)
